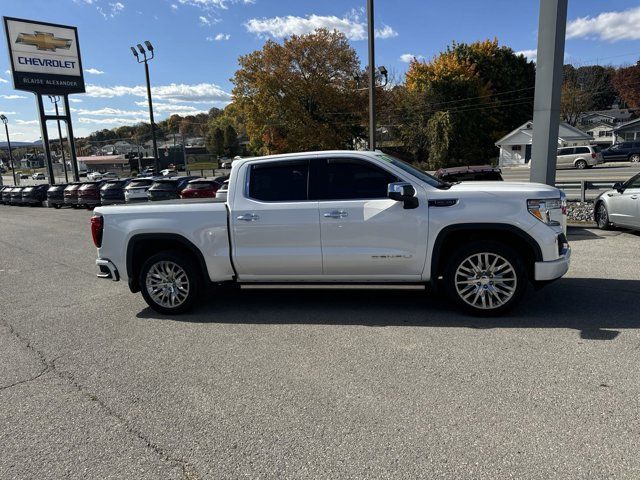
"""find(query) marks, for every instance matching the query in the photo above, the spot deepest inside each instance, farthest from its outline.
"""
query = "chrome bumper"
(545, 271)
(107, 270)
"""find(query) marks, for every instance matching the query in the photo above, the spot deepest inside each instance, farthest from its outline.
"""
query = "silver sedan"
(619, 207)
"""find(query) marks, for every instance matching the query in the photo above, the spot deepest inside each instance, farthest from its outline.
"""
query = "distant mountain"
(37, 143)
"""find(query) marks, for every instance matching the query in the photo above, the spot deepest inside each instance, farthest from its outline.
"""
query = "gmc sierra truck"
(339, 217)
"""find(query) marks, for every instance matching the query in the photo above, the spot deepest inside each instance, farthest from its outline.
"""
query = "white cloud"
(27, 122)
(109, 112)
(530, 55)
(204, 21)
(111, 11)
(112, 121)
(75, 100)
(93, 71)
(174, 7)
(7, 72)
(408, 57)
(610, 26)
(12, 97)
(279, 27)
(205, 4)
(172, 108)
(2, 80)
(219, 37)
(8, 113)
(198, 93)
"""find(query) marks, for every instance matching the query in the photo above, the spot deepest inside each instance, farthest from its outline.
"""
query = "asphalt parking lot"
(311, 384)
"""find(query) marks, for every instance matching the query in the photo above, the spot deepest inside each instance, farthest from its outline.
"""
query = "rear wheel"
(602, 217)
(169, 282)
(486, 278)
(635, 158)
(581, 164)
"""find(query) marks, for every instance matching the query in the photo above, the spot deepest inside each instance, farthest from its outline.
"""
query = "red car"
(89, 194)
(200, 188)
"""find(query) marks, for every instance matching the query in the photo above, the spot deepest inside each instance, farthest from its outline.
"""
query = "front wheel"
(602, 217)
(635, 158)
(486, 278)
(169, 282)
(581, 164)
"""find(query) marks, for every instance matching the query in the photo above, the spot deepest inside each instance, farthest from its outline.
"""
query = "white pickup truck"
(339, 217)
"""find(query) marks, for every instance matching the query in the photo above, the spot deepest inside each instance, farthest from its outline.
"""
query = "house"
(515, 147)
(601, 132)
(613, 116)
(627, 131)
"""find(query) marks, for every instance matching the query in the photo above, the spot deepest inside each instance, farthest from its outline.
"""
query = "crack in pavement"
(189, 472)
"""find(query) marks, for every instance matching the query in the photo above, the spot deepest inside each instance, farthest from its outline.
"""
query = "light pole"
(145, 60)
(5, 120)
(55, 99)
(372, 77)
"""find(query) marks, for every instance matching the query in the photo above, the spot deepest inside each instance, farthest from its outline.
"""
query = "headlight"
(541, 209)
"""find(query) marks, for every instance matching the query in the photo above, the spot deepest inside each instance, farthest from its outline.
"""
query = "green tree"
(214, 141)
(231, 145)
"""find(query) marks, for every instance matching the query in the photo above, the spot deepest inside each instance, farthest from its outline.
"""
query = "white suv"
(581, 157)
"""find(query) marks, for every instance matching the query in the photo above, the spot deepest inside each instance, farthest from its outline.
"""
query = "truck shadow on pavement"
(597, 308)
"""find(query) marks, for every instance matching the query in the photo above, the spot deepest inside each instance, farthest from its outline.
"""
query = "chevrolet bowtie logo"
(44, 41)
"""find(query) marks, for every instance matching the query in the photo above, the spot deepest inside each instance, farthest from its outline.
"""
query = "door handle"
(248, 217)
(335, 214)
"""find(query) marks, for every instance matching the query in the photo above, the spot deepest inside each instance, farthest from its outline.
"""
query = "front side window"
(349, 179)
(279, 181)
(565, 151)
(583, 150)
(633, 182)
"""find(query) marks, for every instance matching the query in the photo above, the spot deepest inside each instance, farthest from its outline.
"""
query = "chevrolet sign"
(45, 57)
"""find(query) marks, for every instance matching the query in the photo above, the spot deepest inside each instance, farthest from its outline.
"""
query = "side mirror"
(618, 186)
(403, 192)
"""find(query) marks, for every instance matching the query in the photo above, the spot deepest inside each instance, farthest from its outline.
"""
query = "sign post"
(45, 60)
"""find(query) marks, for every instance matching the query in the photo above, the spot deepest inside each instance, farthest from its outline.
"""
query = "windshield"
(407, 167)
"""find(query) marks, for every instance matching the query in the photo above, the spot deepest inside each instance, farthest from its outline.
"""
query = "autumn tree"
(231, 145)
(455, 106)
(299, 95)
(586, 88)
(626, 82)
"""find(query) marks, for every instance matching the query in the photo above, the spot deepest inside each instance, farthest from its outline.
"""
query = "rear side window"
(565, 151)
(202, 185)
(625, 145)
(350, 179)
(140, 183)
(582, 150)
(279, 181)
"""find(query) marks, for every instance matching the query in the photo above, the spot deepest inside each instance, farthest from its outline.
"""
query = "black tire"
(601, 215)
(57, 205)
(193, 285)
(487, 288)
(635, 158)
(581, 164)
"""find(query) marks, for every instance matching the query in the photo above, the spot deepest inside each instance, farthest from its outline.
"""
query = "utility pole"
(372, 77)
(5, 120)
(145, 60)
(552, 27)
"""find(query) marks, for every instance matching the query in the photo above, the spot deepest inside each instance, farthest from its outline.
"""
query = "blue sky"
(198, 42)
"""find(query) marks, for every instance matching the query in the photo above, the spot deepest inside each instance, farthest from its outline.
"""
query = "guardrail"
(585, 185)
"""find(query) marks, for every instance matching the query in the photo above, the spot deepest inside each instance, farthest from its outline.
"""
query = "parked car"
(34, 195)
(38, 176)
(55, 195)
(94, 176)
(89, 194)
(463, 174)
(15, 197)
(168, 172)
(341, 217)
(621, 152)
(71, 194)
(619, 207)
(581, 157)
(112, 192)
(109, 176)
(24, 176)
(223, 191)
(5, 193)
(168, 188)
(136, 190)
(201, 188)
(147, 172)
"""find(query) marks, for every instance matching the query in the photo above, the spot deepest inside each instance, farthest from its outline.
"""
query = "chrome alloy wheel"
(486, 280)
(167, 284)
